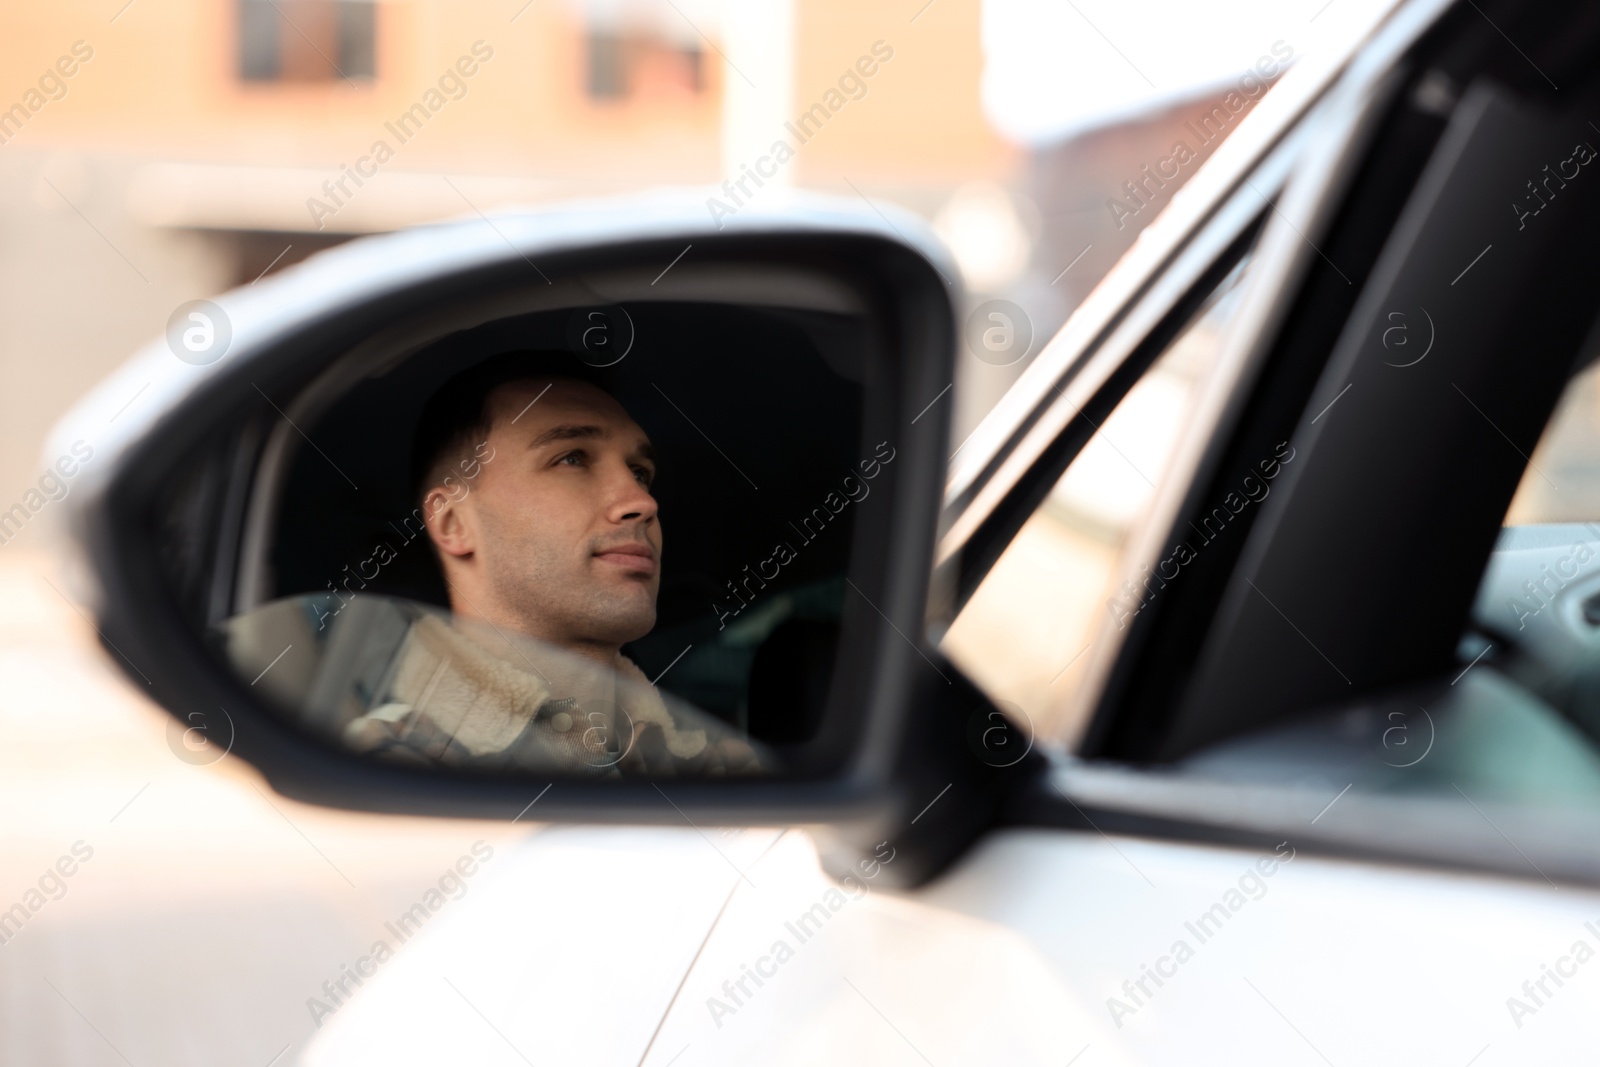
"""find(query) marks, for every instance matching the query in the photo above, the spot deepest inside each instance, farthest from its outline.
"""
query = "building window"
(607, 76)
(646, 49)
(623, 64)
(306, 40)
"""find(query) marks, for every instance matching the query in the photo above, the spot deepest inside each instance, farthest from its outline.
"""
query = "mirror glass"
(595, 540)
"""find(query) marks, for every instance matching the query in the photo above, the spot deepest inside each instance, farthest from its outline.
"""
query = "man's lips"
(636, 556)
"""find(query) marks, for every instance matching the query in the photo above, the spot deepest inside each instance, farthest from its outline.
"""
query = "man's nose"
(631, 501)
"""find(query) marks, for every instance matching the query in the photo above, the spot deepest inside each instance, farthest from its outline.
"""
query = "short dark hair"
(456, 417)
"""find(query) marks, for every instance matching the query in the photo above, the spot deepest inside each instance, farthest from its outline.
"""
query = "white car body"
(612, 946)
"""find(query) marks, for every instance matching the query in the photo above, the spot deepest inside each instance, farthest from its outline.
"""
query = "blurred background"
(157, 151)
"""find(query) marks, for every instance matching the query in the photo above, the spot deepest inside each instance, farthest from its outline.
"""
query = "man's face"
(561, 521)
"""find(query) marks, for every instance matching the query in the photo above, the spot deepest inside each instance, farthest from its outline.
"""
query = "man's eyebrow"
(645, 450)
(570, 432)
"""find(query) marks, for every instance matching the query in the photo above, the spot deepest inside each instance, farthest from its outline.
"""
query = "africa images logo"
(802, 928)
(201, 738)
(851, 85)
(199, 332)
(451, 885)
(1250, 886)
(854, 490)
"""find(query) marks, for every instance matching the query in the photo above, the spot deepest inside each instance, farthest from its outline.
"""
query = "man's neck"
(606, 655)
(603, 653)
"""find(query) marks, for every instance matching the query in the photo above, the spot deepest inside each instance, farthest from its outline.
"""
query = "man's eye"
(645, 475)
(575, 459)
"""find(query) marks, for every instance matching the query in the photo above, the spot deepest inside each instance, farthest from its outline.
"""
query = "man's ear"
(446, 519)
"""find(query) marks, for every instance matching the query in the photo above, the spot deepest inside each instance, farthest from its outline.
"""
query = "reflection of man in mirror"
(534, 483)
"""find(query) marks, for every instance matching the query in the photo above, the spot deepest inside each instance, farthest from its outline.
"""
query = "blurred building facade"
(156, 152)
(196, 144)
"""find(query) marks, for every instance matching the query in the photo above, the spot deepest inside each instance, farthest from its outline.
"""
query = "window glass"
(1562, 484)
(306, 40)
(1537, 613)
(1025, 634)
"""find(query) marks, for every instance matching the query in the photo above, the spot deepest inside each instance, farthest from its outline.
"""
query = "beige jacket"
(477, 700)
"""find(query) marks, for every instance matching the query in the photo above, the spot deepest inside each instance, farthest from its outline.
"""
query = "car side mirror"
(611, 507)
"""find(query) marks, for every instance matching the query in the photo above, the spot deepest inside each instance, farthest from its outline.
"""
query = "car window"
(1562, 482)
(1024, 635)
(1536, 617)
(1516, 720)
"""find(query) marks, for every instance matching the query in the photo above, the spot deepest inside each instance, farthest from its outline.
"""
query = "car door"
(1220, 567)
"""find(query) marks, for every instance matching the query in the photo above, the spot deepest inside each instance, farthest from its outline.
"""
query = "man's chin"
(628, 622)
